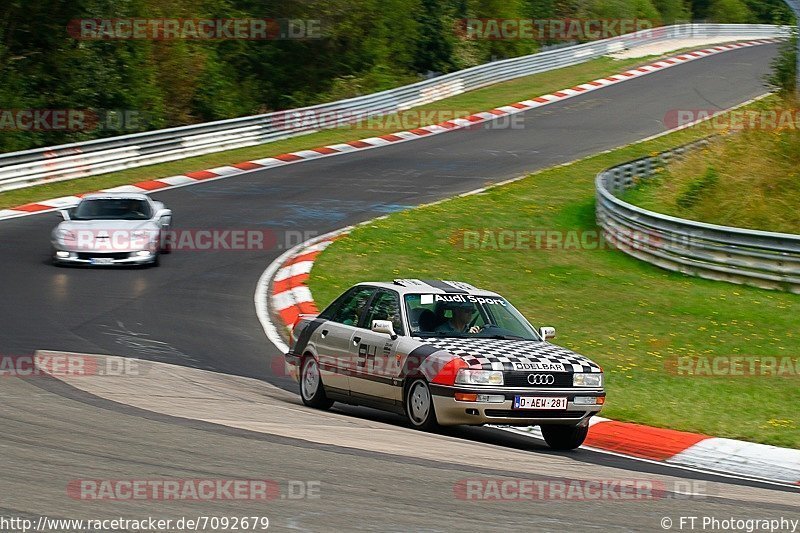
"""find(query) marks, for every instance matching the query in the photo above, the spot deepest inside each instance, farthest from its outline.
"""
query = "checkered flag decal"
(497, 354)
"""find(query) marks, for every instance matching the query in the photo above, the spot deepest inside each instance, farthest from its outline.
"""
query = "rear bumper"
(450, 411)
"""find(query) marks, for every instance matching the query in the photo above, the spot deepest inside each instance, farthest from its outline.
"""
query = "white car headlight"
(594, 379)
(65, 235)
(479, 377)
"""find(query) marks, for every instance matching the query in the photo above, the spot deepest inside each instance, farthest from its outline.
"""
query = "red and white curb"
(283, 295)
(200, 176)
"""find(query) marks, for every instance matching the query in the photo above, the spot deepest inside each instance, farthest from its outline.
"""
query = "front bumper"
(450, 411)
(102, 258)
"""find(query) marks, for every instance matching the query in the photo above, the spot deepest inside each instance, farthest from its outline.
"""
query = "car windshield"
(462, 315)
(112, 209)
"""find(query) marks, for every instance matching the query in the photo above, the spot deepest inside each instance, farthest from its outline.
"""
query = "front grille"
(508, 413)
(112, 255)
(520, 379)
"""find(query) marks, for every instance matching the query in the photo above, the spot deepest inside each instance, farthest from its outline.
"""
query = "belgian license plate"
(102, 261)
(539, 402)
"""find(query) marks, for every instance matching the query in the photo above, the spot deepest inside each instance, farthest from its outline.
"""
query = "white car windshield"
(463, 315)
(112, 209)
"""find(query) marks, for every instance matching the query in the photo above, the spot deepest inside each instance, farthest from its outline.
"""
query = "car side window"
(386, 306)
(352, 307)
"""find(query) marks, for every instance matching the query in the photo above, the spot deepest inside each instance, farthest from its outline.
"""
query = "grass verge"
(461, 105)
(749, 180)
(632, 318)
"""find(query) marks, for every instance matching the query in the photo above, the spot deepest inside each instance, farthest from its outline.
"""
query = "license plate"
(101, 261)
(539, 402)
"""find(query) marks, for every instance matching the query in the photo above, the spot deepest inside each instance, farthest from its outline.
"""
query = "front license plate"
(539, 402)
(101, 261)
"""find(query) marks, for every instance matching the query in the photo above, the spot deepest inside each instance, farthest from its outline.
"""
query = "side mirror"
(547, 333)
(384, 326)
(161, 214)
(65, 214)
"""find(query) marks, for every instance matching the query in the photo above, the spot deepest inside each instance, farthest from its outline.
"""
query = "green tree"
(434, 51)
(672, 11)
(730, 11)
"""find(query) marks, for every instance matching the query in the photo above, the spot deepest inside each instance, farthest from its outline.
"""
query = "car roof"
(116, 195)
(416, 286)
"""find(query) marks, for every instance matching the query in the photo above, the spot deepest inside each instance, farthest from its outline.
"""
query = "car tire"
(419, 406)
(564, 438)
(312, 391)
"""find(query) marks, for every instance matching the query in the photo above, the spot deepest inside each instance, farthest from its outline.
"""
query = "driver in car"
(459, 322)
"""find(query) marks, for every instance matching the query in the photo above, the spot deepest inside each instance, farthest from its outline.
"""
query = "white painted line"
(318, 247)
(307, 154)
(343, 147)
(287, 299)
(406, 135)
(376, 141)
(177, 180)
(225, 171)
(742, 458)
(11, 213)
(268, 162)
(510, 109)
(303, 267)
(64, 201)
(123, 188)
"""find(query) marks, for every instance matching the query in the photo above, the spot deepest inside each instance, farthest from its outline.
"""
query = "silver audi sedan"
(444, 353)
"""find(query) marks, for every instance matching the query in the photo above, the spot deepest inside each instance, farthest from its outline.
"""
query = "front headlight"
(594, 379)
(479, 377)
(65, 235)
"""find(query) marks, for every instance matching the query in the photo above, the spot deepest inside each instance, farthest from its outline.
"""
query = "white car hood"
(110, 225)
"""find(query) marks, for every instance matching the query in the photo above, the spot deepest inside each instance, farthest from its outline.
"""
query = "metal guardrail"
(70, 161)
(744, 256)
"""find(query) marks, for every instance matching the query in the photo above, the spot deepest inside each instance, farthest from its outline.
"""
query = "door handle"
(356, 341)
(324, 333)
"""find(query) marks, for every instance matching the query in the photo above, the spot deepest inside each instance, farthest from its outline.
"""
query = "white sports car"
(112, 229)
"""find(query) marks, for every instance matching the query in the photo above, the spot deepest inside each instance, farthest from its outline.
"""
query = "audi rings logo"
(541, 379)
